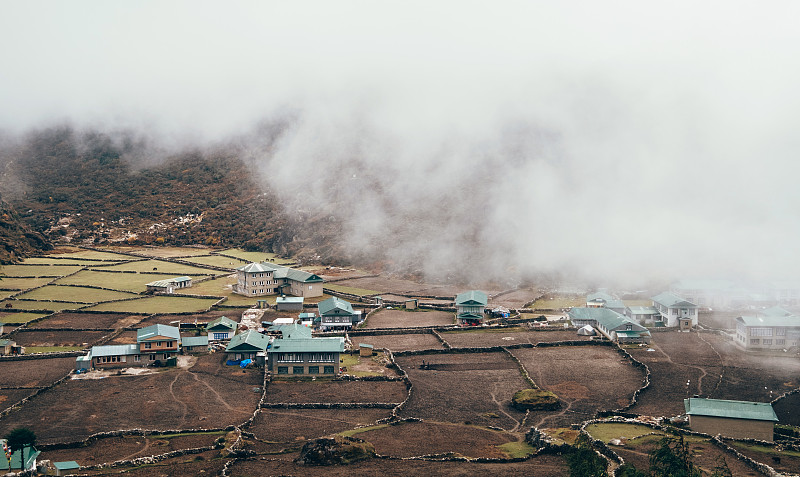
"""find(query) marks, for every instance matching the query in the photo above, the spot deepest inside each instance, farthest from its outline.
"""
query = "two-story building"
(221, 329)
(297, 353)
(336, 314)
(470, 307)
(675, 311)
(602, 299)
(158, 342)
(772, 329)
(249, 344)
(264, 278)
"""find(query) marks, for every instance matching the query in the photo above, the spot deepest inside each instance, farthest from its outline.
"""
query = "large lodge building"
(257, 279)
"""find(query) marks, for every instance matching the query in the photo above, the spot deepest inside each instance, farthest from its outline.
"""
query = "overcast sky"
(618, 138)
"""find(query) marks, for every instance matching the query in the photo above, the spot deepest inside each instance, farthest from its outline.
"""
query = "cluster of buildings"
(265, 278)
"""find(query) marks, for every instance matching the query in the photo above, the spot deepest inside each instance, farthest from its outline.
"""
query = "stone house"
(736, 419)
(337, 314)
(258, 279)
(296, 353)
(772, 329)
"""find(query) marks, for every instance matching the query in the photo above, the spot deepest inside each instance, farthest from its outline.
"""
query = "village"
(160, 361)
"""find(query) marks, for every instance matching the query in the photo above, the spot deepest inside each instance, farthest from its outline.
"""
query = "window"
(148, 345)
(152, 357)
(780, 331)
(628, 327)
(297, 370)
(137, 358)
(767, 341)
(780, 342)
(283, 370)
(754, 341)
(166, 356)
(327, 370)
(160, 344)
(760, 331)
(220, 336)
(313, 370)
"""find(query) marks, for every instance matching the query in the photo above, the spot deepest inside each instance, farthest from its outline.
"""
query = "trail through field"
(214, 392)
(175, 398)
(139, 452)
(721, 363)
(500, 408)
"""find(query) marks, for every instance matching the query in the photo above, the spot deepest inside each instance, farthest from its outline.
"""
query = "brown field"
(464, 387)
(293, 426)
(788, 409)
(126, 337)
(389, 285)
(34, 372)
(400, 342)
(206, 463)
(409, 319)
(111, 449)
(327, 391)
(410, 439)
(59, 338)
(540, 466)
(234, 314)
(9, 397)
(504, 337)
(515, 299)
(100, 321)
(585, 379)
(208, 395)
(693, 357)
(787, 462)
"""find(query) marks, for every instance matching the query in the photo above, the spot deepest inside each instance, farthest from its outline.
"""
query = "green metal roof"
(189, 341)
(160, 283)
(249, 340)
(308, 345)
(643, 310)
(759, 411)
(293, 331)
(599, 296)
(29, 454)
(476, 297)
(289, 299)
(153, 331)
(607, 318)
(221, 323)
(297, 275)
(788, 321)
(776, 311)
(67, 465)
(669, 299)
(365, 345)
(331, 305)
(114, 350)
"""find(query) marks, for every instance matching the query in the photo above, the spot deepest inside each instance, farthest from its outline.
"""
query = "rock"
(337, 451)
(535, 400)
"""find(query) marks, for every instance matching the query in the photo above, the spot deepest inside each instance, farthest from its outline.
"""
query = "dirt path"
(175, 398)
(721, 364)
(500, 408)
(139, 452)
(214, 391)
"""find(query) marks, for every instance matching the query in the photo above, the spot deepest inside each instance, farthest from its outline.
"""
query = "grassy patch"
(158, 304)
(351, 290)
(50, 349)
(8, 283)
(558, 302)
(74, 294)
(606, 431)
(38, 270)
(563, 434)
(129, 282)
(353, 432)
(217, 261)
(535, 399)
(160, 266)
(517, 449)
(183, 434)
(93, 255)
(763, 449)
(255, 256)
(22, 317)
(41, 305)
(166, 252)
(54, 260)
(6, 293)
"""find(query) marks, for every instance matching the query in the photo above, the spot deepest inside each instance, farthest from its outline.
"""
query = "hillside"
(84, 187)
(17, 239)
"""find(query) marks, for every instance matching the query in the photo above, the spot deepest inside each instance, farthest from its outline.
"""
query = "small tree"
(672, 459)
(584, 461)
(20, 438)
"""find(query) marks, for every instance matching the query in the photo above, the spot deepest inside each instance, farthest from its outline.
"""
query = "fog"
(618, 140)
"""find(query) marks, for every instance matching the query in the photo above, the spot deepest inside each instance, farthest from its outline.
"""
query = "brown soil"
(59, 338)
(34, 372)
(469, 387)
(209, 395)
(408, 319)
(582, 379)
(234, 314)
(9, 397)
(294, 426)
(88, 321)
(400, 342)
(126, 337)
(327, 391)
(515, 299)
(207, 463)
(484, 338)
(424, 438)
(781, 461)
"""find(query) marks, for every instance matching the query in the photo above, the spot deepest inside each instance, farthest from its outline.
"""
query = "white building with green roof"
(612, 325)
(337, 314)
(736, 419)
(675, 311)
(774, 329)
(264, 278)
(470, 307)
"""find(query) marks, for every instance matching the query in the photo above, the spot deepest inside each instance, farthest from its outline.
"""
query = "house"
(612, 325)
(784, 292)
(195, 344)
(736, 419)
(602, 299)
(772, 329)
(21, 460)
(158, 342)
(411, 303)
(257, 279)
(470, 307)
(289, 303)
(64, 468)
(113, 356)
(337, 314)
(675, 311)
(248, 344)
(9, 347)
(170, 285)
(221, 329)
(643, 314)
(296, 353)
(707, 293)
(365, 350)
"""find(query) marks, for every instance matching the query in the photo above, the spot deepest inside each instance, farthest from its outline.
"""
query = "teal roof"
(249, 340)
(221, 323)
(181, 279)
(29, 454)
(608, 319)
(776, 311)
(7, 342)
(296, 275)
(256, 268)
(289, 299)
(160, 283)
(67, 465)
(152, 331)
(475, 297)
(365, 345)
(189, 341)
(599, 296)
(788, 321)
(308, 345)
(331, 305)
(293, 331)
(114, 350)
(669, 299)
(759, 411)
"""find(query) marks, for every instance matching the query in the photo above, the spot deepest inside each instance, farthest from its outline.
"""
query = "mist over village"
(419, 238)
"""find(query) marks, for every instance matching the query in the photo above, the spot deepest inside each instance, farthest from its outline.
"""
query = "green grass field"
(158, 304)
(54, 260)
(93, 255)
(50, 349)
(41, 305)
(164, 252)
(254, 256)
(351, 290)
(6, 293)
(21, 317)
(8, 283)
(74, 294)
(174, 269)
(130, 282)
(38, 270)
(218, 261)
(606, 431)
(558, 302)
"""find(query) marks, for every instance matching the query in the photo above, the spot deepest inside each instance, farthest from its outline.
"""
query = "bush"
(535, 400)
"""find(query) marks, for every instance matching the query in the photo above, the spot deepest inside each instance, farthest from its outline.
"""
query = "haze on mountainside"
(621, 140)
